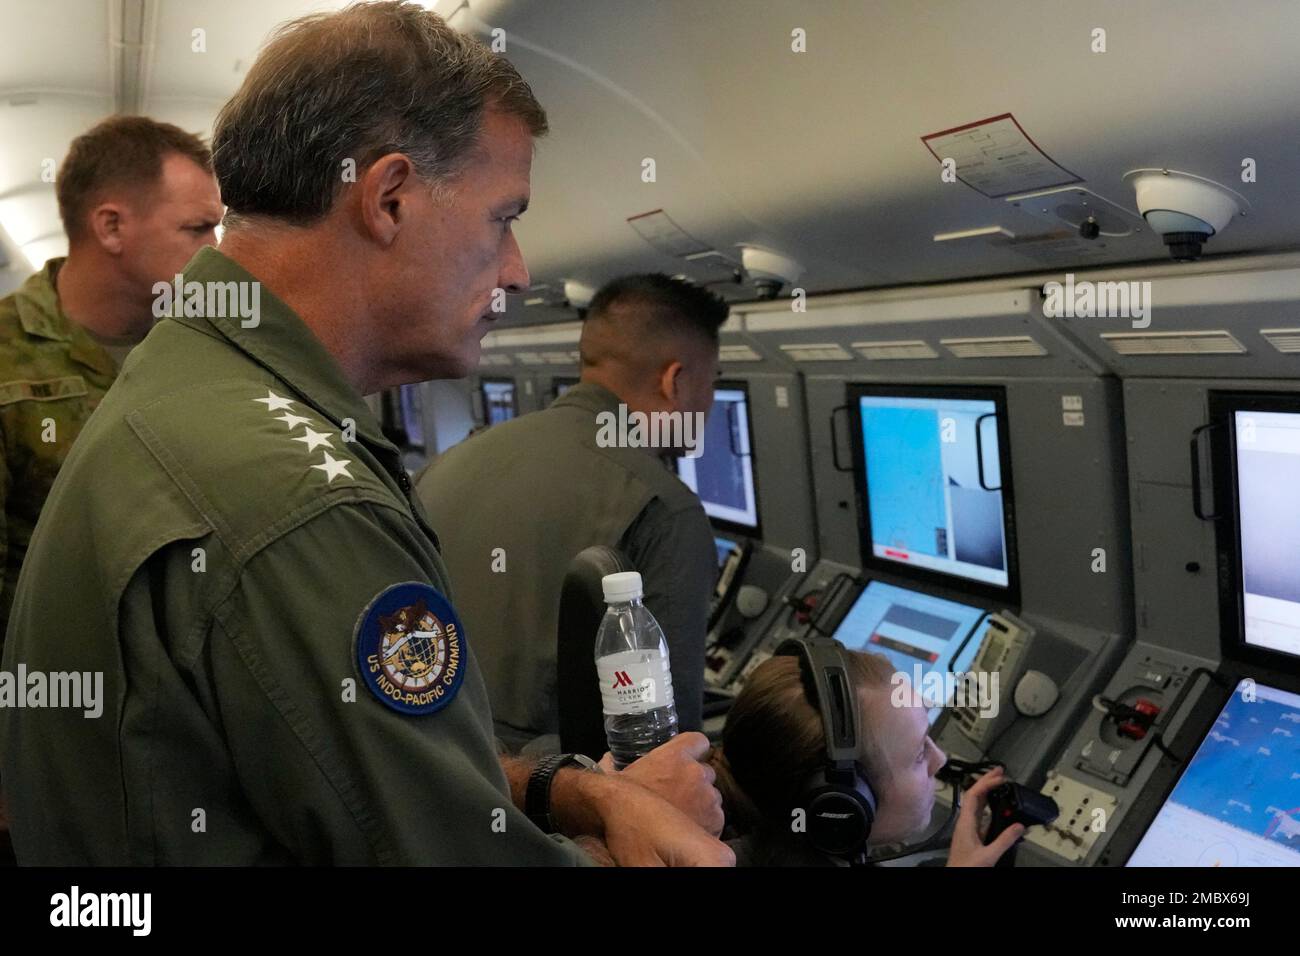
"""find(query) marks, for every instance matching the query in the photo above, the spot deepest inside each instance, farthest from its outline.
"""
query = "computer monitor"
(919, 633)
(723, 474)
(560, 385)
(1258, 507)
(1238, 801)
(933, 477)
(498, 400)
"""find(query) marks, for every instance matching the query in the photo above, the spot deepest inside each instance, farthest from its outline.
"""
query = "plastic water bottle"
(636, 686)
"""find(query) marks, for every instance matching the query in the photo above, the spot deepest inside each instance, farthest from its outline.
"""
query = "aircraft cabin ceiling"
(817, 155)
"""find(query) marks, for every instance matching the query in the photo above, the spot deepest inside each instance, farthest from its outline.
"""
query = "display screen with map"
(934, 483)
(723, 474)
(1238, 801)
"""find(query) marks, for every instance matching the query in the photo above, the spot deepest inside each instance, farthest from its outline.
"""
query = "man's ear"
(670, 383)
(106, 227)
(384, 196)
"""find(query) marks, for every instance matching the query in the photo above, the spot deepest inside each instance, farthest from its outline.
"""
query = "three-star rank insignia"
(410, 648)
(330, 466)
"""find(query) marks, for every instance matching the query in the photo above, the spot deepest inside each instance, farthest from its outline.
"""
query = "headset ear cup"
(839, 819)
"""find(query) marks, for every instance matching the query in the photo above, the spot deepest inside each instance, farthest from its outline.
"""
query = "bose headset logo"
(835, 816)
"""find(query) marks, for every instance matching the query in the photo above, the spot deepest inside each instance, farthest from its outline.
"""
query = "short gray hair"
(371, 79)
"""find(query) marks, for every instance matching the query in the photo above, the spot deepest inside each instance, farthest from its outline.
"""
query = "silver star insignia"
(334, 467)
(274, 402)
(313, 438)
(293, 421)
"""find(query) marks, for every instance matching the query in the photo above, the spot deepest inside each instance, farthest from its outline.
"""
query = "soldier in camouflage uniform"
(138, 198)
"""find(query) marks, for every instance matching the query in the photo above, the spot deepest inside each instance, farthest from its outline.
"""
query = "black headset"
(839, 802)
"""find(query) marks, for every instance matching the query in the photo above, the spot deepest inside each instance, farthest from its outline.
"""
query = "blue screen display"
(1238, 801)
(933, 485)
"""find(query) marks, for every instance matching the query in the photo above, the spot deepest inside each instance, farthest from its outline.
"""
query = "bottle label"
(634, 682)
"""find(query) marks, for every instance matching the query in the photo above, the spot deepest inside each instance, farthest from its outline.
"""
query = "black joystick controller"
(1012, 803)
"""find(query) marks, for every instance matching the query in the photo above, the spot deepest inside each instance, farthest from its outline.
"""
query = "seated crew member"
(543, 487)
(774, 743)
(284, 678)
(137, 199)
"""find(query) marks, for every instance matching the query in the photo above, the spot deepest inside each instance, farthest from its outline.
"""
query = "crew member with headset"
(818, 764)
(285, 676)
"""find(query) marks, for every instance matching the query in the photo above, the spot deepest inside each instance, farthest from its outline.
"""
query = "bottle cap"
(621, 587)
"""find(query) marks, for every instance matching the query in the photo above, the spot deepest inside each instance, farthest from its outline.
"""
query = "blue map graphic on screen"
(1247, 772)
(926, 504)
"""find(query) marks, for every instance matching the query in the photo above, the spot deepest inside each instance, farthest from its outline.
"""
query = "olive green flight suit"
(213, 546)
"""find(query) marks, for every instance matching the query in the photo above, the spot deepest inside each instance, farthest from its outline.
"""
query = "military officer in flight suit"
(234, 545)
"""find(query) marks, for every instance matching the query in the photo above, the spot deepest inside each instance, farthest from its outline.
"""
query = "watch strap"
(537, 797)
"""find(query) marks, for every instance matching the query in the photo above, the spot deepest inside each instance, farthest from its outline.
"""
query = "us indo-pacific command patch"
(411, 649)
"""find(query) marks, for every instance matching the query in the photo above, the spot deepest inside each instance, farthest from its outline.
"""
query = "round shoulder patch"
(410, 648)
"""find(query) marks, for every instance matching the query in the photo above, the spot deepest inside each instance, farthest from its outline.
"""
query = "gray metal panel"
(1176, 607)
(833, 490)
(1242, 304)
(1070, 497)
(763, 359)
(528, 397)
(903, 320)
(1160, 415)
(785, 495)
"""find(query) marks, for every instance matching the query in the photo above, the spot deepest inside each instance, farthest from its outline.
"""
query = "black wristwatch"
(537, 798)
